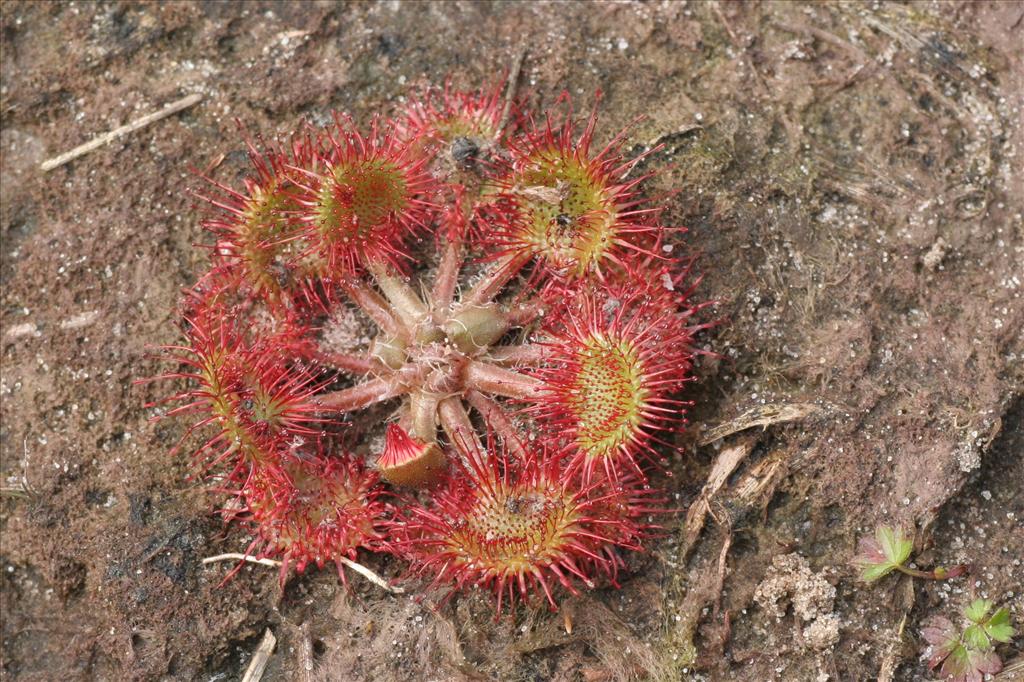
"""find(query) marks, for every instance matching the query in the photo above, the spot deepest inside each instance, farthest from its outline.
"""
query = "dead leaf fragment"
(763, 416)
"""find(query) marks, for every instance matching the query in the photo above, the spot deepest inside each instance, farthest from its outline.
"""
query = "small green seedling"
(968, 655)
(888, 551)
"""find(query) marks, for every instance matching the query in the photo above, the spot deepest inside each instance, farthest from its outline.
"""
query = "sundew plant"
(457, 337)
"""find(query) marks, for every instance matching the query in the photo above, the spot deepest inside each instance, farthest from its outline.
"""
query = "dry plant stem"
(260, 658)
(722, 556)
(14, 491)
(1014, 670)
(358, 568)
(306, 664)
(456, 423)
(887, 670)
(81, 150)
(492, 283)
(370, 575)
(376, 308)
(446, 280)
(361, 395)
(353, 364)
(401, 296)
(510, 89)
(495, 416)
(528, 355)
(764, 416)
(490, 378)
(235, 556)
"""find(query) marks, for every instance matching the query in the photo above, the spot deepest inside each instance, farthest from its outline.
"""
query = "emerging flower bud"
(407, 461)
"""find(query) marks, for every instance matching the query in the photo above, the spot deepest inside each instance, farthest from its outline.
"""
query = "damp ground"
(850, 177)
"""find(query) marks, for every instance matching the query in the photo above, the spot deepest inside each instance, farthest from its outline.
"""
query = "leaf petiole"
(938, 573)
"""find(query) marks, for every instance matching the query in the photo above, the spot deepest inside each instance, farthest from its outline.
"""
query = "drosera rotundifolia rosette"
(531, 332)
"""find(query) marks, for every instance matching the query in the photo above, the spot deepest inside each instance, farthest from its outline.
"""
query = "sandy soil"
(850, 175)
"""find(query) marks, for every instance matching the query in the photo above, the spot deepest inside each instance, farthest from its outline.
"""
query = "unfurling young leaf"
(887, 551)
(896, 544)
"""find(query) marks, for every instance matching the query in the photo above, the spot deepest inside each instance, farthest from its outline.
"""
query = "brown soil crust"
(850, 175)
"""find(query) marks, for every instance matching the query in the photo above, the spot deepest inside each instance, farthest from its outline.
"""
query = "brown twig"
(1011, 671)
(510, 89)
(305, 653)
(725, 464)
(763, 416)
(96, 143)
(890, 661)
(23, 488)
(720, 584)
(260, 658)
